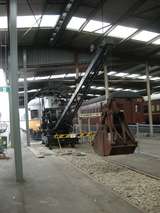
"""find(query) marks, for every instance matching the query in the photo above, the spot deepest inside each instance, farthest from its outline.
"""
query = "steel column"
(106, 81)
(26, 95)
(149, 100)
(13, 72)
(89, 128)
(77, 77)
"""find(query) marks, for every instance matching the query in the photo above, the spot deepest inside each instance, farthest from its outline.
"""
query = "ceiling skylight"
(96, 26)
(49, 20)
(27, 21)
(3, 22)
(157, 42)
(75, 23)
(145, 36)
(122, 31)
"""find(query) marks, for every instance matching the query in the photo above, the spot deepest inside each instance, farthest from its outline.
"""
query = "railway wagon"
(90, 112)
(155, 111)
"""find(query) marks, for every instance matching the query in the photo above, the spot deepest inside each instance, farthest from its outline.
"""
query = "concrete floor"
(149, 146)
(53, 185)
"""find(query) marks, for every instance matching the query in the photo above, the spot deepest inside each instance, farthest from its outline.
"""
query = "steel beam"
(83, 86)
(149, 100)
(26, 95)
(99, 5)
(63, 20)
(106, 81)
(136, 5)
(13, 72)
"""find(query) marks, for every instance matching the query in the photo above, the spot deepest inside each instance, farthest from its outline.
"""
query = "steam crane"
(64, 122)
(113, 136)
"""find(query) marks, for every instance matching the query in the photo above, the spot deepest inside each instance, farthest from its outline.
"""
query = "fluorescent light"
(20, 79)
(122, 31)
(49, 20)
(134, 90)
(155, 78)
(57, 76)
(70, 75)
(27, 21)
(33, 90)
(142, 77)
(100, 88)
(112, 73)
(29, 91)
(133, 76)
(100, 72)
(75, 23)
(145, 36)
(30, 79)
(127, 90)
(93, 87)
(41, 78)
(72, 86)
(97, 88)
(111, 88)
(91, 95)
(82, 73)
(118, 89)
(121, 74)
(95, 26)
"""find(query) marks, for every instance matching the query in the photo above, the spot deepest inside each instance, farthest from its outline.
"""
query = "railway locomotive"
(43, 115)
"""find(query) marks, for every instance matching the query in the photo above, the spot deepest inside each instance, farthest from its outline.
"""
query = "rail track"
(140, 163)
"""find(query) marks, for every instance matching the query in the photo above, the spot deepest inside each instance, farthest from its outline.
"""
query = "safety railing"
(138, 130)
(144, 130)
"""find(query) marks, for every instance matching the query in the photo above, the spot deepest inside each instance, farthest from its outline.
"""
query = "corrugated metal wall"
(52, 56)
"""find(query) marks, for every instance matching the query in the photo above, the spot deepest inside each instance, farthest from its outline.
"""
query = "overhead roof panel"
(122, 31)
(145, 36)
(75, 23)
(96, 26)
